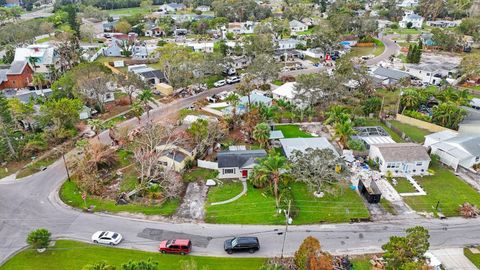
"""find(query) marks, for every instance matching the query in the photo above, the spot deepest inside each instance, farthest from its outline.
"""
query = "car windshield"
(169, 242)
(101, 234)
(234, 242)
(115, 235)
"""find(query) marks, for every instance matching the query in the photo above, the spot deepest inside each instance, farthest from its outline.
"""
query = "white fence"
(207, 164)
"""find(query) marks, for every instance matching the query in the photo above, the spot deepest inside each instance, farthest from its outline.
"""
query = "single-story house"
(201, 46)
(433, 73)
(444, 23)
(240, 62)
(408, 3)
(400, 158)
(175, 157)
(389, 76)
(241, 27)
(301, 144)
(238, 164)
(289, 43)
(203, 8)
(257, 99)
(455, 150)
(172, 7)
(314, 53)
(410, 18)
(148, 74)
(285, 92)
(297, 26)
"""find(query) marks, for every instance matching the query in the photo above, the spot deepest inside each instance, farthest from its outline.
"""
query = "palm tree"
(335, 114)
(410, 99)
(32, 60)
(269, 171)
(38, 81)
(261, 133)
(233, 100)
(96, 124)
(145, 97)
(137, 110)
(343, 131)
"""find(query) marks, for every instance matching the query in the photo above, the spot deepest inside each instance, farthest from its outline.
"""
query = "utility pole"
(287, 217)
(66, 167)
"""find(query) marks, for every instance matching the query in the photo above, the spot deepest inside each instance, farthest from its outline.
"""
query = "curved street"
(33, 202)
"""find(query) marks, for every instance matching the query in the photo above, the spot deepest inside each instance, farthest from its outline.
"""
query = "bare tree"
(94, 86)
(317, 169)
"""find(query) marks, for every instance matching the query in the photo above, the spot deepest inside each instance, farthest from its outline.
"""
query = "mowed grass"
(403, 186)
(199, 174)
(292, 131)
(415, 133)
(258, 206)
(128, 11)
(73, 255)
(473, 257)
(71, 195)
(443, 187)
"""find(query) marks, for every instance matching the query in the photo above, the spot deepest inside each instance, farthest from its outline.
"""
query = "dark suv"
(249, 244)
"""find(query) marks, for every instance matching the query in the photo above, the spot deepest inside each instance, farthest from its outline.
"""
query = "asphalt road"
(33, 202)
(391, 48)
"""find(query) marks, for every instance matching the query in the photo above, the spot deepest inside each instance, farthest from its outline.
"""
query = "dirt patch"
(193, 203)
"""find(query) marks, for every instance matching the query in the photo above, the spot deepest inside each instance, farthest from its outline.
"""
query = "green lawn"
(364, 51)
(198, 174)
(403, 31)
(258, 206)
(71, 255)
(415, 133)
(292, 131)
(403, 186)
(128, 11)
(361, 264)
(376, 122)
(387, 206)
(445, 187)
(473, 257)
(71, 195)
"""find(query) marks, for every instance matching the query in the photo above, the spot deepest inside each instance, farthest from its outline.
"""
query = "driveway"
(391, 48)
(453, 259)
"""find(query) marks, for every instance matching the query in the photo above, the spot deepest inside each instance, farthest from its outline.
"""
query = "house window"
(163, 163)
(228, 171)
(419, 163)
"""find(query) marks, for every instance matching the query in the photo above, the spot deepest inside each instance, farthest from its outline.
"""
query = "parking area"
(453, 259)
(159, 235)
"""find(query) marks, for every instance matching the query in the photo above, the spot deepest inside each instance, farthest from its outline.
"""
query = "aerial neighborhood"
(246, 134)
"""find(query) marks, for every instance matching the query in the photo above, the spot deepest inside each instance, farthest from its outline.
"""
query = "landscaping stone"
(210, 183)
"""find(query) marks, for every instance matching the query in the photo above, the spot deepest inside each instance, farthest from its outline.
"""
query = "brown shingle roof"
(409, 152)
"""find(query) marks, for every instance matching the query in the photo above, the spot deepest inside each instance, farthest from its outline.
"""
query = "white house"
(433, 73)
(201, 46)
(238, 164)
(410, 17)
(203, 8)
(408, 3)
(297, 26)
(455, 150)
(45, 55)
(285, 92)
(172, 7)
(175, 156)
(288, 44)
(241, 27)
(400, 158)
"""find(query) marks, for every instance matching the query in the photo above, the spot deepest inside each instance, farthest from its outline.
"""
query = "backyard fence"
(207, 164)
(420, 124)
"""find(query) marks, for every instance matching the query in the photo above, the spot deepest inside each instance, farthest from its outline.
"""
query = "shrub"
(359, 122)
(356, 145)
(310, 247)
(39, 238)
(417, 115)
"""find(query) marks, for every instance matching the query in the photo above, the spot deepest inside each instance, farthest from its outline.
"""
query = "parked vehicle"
(179, 246)
(239, 244)
(234, 79)
(107, 238)
(212, 99)
(220, 83)
(230, 71)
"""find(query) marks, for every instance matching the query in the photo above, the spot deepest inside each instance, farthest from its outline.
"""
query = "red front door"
(244, 173)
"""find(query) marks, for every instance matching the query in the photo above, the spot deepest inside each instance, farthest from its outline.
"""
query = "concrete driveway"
(453, 259)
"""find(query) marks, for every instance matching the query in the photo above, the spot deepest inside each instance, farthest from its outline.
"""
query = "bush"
(356, 145)
(394, 26)
(39, 238)
(360, 122)
(417, 115)
(161, 42)
(309, 248)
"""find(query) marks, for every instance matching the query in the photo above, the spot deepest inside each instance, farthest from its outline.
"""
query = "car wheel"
(229, 251)
(163, 251)
(251, 251)
(111, 243)
(95, 241)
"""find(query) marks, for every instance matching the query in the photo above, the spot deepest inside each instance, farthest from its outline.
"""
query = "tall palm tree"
(137, 110)
(261, 133)
(410, 99)
(269, 171)
(38, 81)
(145, 97)
(343, 131)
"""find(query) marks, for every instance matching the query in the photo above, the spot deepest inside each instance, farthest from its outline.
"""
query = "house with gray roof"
(297, 26)
(238, 164)
(400, 158)
(412, 19)
(387, 76)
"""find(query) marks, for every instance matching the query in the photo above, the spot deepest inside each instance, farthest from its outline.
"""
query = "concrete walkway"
(453, 259)
(420, 191)
(244, 184)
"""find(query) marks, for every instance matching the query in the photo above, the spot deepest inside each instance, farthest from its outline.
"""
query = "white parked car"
(234, 79)
(220, 83)
(107, 238)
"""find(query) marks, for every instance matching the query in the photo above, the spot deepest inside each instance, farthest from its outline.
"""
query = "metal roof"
(17, 67)
(302, 144)
(390, 73)
(3, 75)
